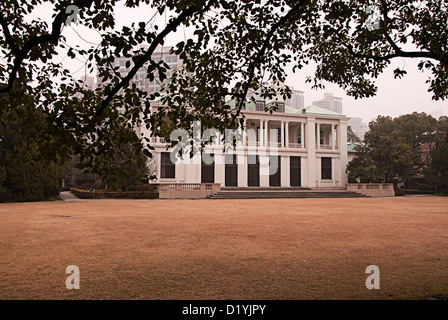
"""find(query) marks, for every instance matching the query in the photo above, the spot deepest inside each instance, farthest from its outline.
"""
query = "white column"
(243, 133)
(219, 166)
(266, 132)
(318, 136)
(242, 170)
(287, 135)
(285, 178)
(342, 144)
(192, 168)
(302, 135)
(223, 170)
(282, 134)
(264, 168)
(311, 152)
(332, 137)
(261, 134)
(333, 170)
(337, 134)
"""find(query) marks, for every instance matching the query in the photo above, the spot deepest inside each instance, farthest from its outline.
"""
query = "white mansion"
(289, 148)
(294, 146)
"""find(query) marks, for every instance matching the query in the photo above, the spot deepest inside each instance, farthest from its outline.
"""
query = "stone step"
(270, 189)
(285, 194)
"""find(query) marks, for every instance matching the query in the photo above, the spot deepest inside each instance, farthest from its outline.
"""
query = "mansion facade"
(289, 148)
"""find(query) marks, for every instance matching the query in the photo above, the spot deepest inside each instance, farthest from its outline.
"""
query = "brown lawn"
(225, 249)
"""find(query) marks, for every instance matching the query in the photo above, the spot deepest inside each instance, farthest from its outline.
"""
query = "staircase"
(278, 192)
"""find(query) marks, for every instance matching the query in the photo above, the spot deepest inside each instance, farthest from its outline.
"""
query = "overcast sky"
(395, 96)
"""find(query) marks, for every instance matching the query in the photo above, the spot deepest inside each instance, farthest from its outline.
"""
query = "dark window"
(259, 106)
(253, 171)
(280, 107)
(208, 170)
(326, 169)
(321, 137)
(274, 171)
(295, 171)
(231, 170)
(299, 136)
(167, 168)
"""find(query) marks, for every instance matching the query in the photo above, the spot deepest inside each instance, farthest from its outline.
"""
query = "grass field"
(229, 249)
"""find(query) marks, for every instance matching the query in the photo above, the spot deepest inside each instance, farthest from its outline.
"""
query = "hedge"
(414, 191)
(85, 194)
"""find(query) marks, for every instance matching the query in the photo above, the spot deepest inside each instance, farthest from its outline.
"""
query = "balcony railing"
(275, 144)
(326, 146)
(295, 145)
(252, 143)
(259, 144)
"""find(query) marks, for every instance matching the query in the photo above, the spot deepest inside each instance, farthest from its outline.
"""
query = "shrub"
(415, 191)
(108, 194)
(424, 186)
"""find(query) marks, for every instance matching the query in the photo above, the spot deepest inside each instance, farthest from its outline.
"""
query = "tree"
(437, 169)
(238, 46)
(26, 175)
(412, 130)
(437, 166)
(442, 126)
(387, 155)
(351, 136)
(393, 158)
(122, 168)
(126, 169)
(78, 178)
(362, 168)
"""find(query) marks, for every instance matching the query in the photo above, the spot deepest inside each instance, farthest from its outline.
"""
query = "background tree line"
(409, 149)
(237, 47)
(27, 174)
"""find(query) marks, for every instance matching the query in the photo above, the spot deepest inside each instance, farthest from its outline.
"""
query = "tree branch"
(403, 54)
(255, 63)
(7, 34)
(53, 38)
(398, 51)
(159, 39)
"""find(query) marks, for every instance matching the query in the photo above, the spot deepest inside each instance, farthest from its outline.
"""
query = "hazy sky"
(394, 97)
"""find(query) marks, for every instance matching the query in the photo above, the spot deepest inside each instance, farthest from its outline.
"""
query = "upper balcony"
(278, 134)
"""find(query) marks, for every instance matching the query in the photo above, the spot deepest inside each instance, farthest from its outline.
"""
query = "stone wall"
(373, 189)
(188, 190)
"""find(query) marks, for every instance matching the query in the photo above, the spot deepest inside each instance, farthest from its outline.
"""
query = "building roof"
(289, 109)
(320, 111)
(312, 110)
(351, 146)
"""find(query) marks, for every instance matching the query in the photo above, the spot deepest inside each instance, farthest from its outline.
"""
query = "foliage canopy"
(238, 46)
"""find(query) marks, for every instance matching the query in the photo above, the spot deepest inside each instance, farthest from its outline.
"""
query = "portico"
(285, 149)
